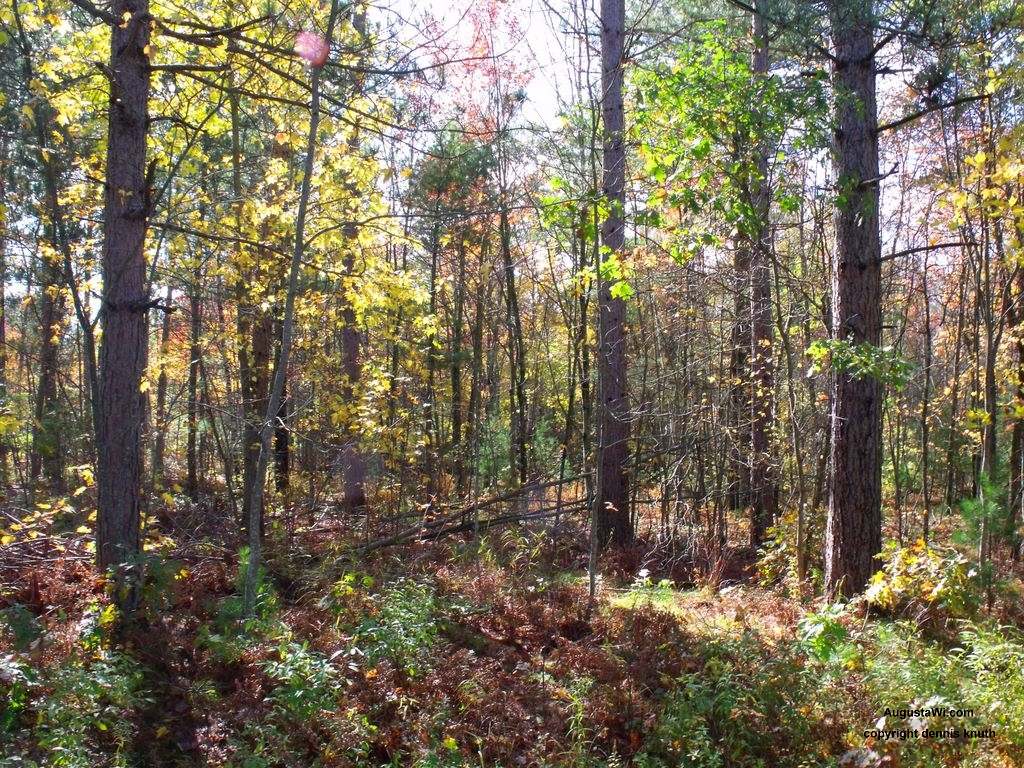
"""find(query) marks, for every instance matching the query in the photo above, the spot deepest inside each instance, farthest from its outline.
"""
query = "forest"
(512, 383)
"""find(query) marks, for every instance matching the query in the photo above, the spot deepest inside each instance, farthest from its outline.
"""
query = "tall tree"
(125, 302)
(317, 59)
(853, 534)
(611, 513)
(764, 498)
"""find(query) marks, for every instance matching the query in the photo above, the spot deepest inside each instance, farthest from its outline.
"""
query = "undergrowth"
(499, 660)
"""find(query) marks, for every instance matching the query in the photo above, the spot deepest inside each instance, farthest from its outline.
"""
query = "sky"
(536, 47)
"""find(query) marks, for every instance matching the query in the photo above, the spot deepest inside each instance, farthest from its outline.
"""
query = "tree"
(854, 525)
(125, 301)
(317, 53)
(611, 511)
(764, 490)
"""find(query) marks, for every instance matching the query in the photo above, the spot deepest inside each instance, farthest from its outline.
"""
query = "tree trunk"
(457, 459)
(194, 361)
(740, 384)
(926, 408)
(282, 435)
(4, 447)
(156, 469)
(853, 530)
(123, 354)
(764, 487)
(47, 452)
(255, 493)
(611, 513)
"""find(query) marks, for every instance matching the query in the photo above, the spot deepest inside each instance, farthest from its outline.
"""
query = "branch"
(782, 24)
(923, 248)
(927, 110)
(187, 67)
(95, 12)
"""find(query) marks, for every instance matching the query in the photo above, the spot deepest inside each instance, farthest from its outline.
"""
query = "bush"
(825, 638)
(306, 681)
(927, 584)
(402, 626)
(750, 705)
(993, 658)
(89, 702)
(777, 561)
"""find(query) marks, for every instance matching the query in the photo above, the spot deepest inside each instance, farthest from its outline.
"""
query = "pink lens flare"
(313, 48)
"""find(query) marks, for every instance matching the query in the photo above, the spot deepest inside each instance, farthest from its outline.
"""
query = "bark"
(282, 435)
(518, 426)
(764, 486)
(611, 512)
(255, 347)
(457, 459)
(287, 334)
(160, 438)
(354, 459)
(123, 352)
(194, 363)
(853, 528)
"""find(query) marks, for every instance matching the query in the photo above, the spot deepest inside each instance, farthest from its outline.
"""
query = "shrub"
(305, 681)
(402, 626)
(777, 561)
(643, 591)
(89, 701)
(825, 638)
(926, 584)
(993, 657)
(750, 705)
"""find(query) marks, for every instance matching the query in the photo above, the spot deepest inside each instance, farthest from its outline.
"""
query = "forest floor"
(474, 652)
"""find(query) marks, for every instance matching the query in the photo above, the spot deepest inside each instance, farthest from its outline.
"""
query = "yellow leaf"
(83, 529)
(107, 615)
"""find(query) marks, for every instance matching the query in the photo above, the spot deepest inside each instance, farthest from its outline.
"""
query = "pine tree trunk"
(853, 529)
(764, 488)
(123, 353)
(611, 513)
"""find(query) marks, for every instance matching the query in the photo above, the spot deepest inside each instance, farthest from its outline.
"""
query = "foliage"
(401, 626)
(644, 591)
(733, 711)
(777, 557)
(826, 639)
(861, 361)
(306, 681)
(925, 583)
